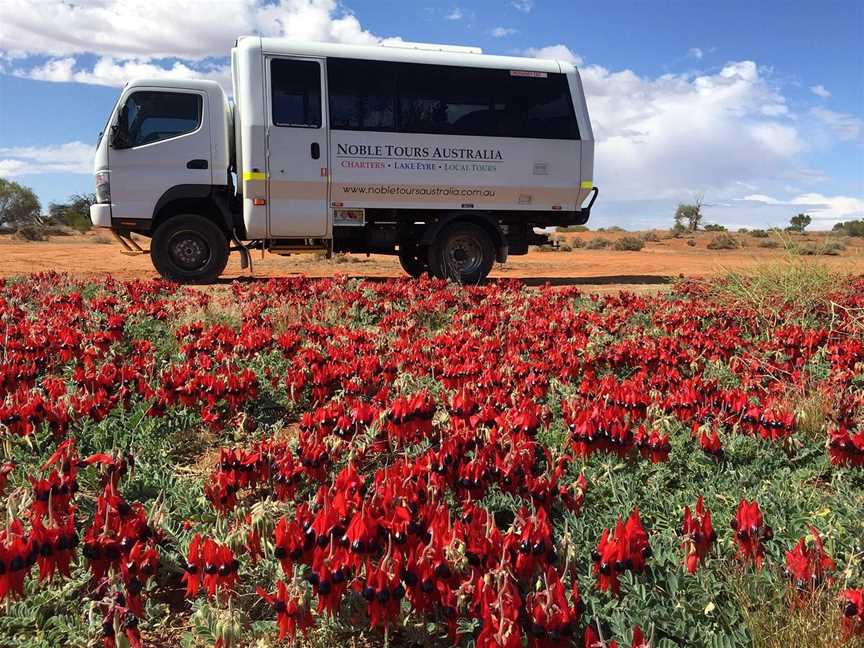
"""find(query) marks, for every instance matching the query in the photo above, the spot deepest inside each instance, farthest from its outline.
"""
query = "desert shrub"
(833, 247)
(828, 248)
(615, 229)
(30, 233)
(629, 244)
(743, 230)
(598, 244)
(678, 230)
(651, 237)
(769, 243)
(572, 228)
(759, 233)
(714, 227)
(723, 241)
(576, 243)
(850, 228)
(691, 242)
(102, 240)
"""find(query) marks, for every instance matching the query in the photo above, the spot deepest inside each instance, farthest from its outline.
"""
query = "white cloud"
(847, 127)
(455, 14)
(820, 91)
(125, 29)
(524, 6)
(560, 52)
(825, 210)
(500, 32)
(72, 157)
(677, 134)
(111, 72)
(761, 198)
(695, 52)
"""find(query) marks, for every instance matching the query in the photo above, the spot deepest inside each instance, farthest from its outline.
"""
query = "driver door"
(169, 138)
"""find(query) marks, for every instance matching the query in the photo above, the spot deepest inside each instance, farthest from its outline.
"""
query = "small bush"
(629, 244)
(677, 230)
(828, 248)
(576, 243)
(850, 228)
(759, 233)
(723, 241)
(572, 228)
(691, 242)
(30, 233)
(769, 243)
(615, 228)
(714, 227)
(102, 240)
(743, 230)
(833, 248)
(651, 237)
(598, 244)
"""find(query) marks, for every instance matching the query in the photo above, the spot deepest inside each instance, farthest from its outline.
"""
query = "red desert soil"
(648, 269)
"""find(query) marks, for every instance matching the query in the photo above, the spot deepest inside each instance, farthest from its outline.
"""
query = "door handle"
(196, 164)
(316, 151)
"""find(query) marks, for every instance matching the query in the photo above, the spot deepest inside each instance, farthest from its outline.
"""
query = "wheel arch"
(196, 199)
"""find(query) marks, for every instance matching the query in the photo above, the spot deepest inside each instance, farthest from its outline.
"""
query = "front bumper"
(100, 215)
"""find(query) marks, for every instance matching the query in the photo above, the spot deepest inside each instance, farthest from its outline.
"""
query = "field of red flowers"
(412, 463)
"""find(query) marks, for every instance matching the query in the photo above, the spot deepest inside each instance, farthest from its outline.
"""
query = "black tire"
(189, 248)
(413, 260)
(462, 252)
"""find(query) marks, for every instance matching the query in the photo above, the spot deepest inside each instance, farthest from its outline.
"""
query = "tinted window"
(296, 87)
(447, 100)
(153, 116)
(416, 98)
(539, 107)
(362, 94)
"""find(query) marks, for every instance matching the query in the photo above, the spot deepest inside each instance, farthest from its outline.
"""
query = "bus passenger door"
(297, 166)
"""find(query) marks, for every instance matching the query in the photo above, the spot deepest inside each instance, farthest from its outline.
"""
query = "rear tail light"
(103, 187)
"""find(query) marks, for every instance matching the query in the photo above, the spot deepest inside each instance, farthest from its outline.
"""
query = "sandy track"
(648, 269)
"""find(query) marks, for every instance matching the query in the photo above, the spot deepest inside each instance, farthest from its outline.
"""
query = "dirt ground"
(647, 270)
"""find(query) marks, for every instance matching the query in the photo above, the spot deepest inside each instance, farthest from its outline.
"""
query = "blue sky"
(759, 106)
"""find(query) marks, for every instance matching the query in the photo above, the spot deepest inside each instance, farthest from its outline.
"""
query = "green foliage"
(715, 227)
(599, 243)
(799, 222)
(850, 228)
(689, 215)
(18, 204)
(759, 233)
(572, 228)
(723, 241)
(629, 244)
(74, 213)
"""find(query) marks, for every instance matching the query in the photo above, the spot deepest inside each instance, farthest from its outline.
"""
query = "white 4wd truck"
(446, 157)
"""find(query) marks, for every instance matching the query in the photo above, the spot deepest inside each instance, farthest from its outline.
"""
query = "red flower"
(697, 536)
(750, 531)
(853, 611)
(808, 567)
(290, 615)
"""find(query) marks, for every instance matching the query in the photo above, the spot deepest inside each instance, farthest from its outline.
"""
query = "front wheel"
(462, 252)
(189, 248)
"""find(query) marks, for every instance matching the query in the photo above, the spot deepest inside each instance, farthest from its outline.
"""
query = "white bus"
(446, 157)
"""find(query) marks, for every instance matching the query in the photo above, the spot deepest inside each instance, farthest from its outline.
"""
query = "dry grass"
(800, 620)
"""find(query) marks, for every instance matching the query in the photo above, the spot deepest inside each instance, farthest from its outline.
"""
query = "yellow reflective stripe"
(254, 175)
(587, 184)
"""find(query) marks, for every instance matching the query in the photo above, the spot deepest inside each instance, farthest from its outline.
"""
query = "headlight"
(103, 187)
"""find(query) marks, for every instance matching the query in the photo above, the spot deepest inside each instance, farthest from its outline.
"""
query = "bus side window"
(296, 89)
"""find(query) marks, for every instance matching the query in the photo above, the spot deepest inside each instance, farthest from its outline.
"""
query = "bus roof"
(409, 54)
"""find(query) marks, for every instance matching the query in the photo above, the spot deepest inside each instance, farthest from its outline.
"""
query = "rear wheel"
(413, 260)
(462, 252)
(189, 248)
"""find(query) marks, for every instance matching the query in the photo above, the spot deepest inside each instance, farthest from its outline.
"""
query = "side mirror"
(120, 138)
